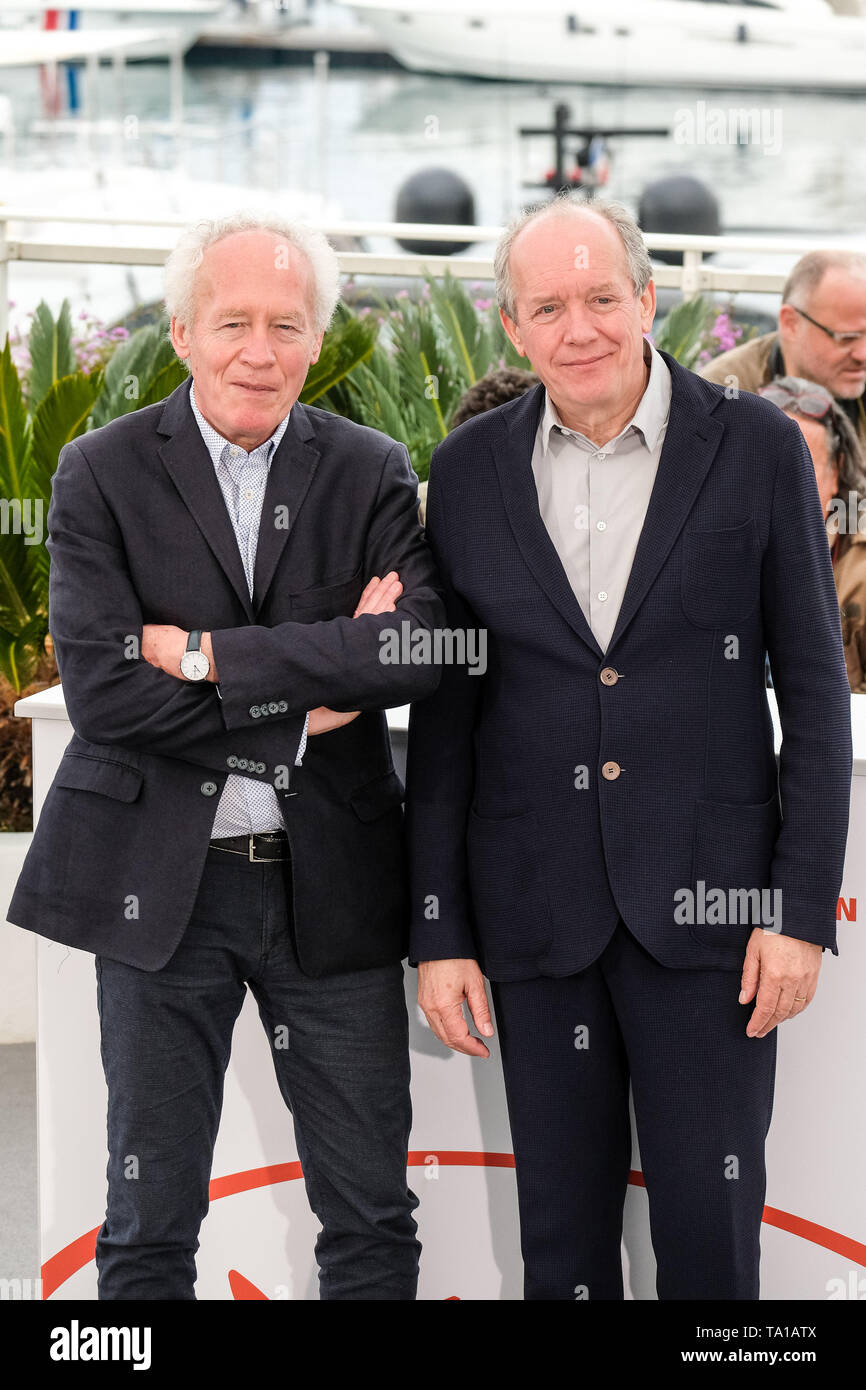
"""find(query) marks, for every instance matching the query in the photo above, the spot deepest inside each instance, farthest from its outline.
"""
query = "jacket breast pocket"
(731, 857)
(121, 781)
(721, 575)
(330, 600)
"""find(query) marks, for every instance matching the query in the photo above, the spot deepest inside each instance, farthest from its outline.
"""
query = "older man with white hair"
(222, 564)
(597, 824)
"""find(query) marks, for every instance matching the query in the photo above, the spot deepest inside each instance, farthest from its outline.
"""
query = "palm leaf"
(63, 415)
(131, 372)
(51, 352)
(347, 344)
(172, 375)
(21, 651)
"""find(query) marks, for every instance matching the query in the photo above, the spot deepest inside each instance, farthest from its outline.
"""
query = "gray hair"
(637, 257)
(807, 274)
(843, 446)
(185, 259)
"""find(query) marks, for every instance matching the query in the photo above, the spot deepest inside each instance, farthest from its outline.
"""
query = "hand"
(780, 968)
(379, 596)
(442, 987)
(163, 646)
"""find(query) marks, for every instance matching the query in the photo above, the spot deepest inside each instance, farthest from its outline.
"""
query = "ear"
(317, 347)
(789, 320)
(179, 337)
(513, 332)
(648, 307)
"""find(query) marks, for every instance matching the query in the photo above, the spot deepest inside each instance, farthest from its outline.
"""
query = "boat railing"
(696, 275)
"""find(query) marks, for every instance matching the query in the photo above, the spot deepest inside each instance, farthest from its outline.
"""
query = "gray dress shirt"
(593, 499)
(246, 806)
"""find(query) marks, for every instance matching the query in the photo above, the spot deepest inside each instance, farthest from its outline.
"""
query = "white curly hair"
(186, 257)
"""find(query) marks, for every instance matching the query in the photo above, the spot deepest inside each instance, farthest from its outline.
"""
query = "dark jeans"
(166, 1041)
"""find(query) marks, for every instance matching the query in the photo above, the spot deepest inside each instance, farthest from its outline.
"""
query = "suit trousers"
(703, 1097)
(340, 1051)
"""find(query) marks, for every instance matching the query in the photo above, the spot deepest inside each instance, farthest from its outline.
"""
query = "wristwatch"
(194, 664)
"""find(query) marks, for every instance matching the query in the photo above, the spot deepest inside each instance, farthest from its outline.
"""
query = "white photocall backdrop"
(257, 1240)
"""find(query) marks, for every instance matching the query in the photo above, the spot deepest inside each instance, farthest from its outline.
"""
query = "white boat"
(710, 44)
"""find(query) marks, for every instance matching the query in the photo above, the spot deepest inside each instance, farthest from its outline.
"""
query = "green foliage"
(348, 342)
(435, 347)
(132, 370)
(51, 351)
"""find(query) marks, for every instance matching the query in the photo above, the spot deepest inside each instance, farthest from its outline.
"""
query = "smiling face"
(578, 319)
(837, 302)
(252, 338)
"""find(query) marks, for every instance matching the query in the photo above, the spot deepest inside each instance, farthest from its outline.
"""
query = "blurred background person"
(821, 335)
(494, 388)
(840, 472)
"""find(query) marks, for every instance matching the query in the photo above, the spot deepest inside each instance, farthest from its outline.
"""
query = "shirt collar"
(652, 410)
(217, 445)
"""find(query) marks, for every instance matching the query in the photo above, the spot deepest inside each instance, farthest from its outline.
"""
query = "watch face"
(195, 666)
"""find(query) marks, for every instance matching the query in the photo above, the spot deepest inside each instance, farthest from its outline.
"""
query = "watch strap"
(194, 642)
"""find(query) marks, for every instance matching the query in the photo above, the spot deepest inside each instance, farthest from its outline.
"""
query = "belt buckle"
(253, 859)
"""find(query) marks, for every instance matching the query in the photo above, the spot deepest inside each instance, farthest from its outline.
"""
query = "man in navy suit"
(597, 823)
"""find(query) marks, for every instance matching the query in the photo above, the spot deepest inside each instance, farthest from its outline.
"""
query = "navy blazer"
(139, 533)
(524, 862)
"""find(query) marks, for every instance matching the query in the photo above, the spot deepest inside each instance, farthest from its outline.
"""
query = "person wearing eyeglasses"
(840, 472)
(821, 336)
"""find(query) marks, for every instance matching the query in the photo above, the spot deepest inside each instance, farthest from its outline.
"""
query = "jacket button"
(609, 676)
(611, 771)
(273, 707)
(282, 706)
(208, 788)
(232, 760)
(260, 767)
(243, 764)
(255, 711)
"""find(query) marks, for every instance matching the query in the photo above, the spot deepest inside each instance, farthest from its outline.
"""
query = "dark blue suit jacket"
(139, 533)
(515, 864)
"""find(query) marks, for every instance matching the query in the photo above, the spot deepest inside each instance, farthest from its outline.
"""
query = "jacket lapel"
(512, 453)
(289, 477)
(185, 456)
(690, 444)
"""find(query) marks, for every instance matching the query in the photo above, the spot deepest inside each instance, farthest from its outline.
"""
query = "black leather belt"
(258, 849)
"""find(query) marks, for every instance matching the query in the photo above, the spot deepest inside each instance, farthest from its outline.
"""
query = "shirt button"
(249, 492)
(601, 455)
(609, 676)
(601, 526)
(611, 771)
(208, 788)
(602, 595)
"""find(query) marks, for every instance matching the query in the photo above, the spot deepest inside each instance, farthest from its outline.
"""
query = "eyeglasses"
(841, 339)
(812, 403)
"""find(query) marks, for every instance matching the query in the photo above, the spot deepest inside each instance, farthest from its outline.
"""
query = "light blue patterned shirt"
(246, 806)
